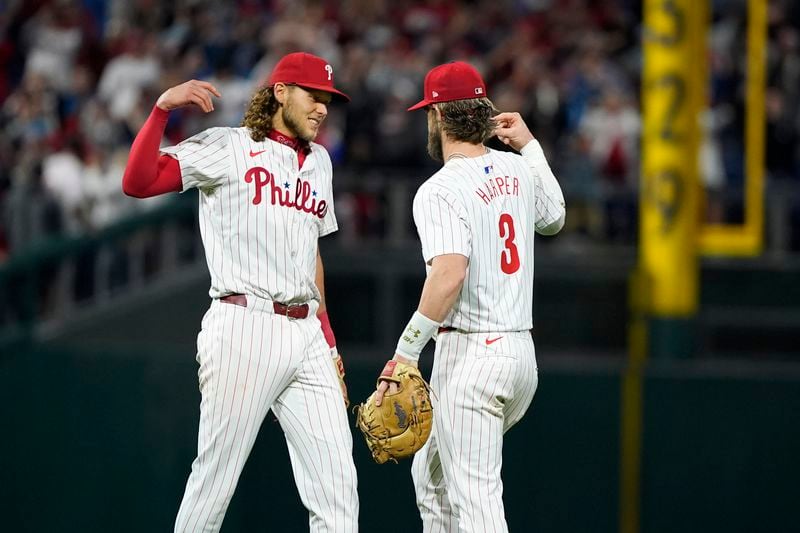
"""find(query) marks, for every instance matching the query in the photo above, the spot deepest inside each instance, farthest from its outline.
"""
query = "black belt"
(446, 329)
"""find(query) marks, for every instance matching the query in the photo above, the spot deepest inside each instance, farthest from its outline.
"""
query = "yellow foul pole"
(673, 93)
(664, 289)
(748, 239)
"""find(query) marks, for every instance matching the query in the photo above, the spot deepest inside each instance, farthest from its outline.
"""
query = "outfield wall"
(103, 441)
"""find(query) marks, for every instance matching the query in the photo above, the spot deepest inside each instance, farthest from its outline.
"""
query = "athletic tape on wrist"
(339, 365)
(415, 336)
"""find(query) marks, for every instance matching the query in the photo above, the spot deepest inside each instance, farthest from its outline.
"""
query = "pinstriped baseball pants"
(252, 360)
(480, 391)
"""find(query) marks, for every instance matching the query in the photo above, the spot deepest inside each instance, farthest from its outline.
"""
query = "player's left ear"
(281, 92)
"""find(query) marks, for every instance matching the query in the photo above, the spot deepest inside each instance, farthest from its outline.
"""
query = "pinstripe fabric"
(488, 209)
(260, 219)
(460, 209)
(254, 244)
(480, 392)
(252, 361)
(549, 198)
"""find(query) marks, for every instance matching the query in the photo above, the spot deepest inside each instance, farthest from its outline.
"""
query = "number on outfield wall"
(509, 257)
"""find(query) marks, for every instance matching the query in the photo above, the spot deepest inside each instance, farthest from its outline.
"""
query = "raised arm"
(550, 206)
(148, 173)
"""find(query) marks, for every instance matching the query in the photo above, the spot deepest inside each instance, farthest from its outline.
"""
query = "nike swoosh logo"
(253, 154)
(492, 341)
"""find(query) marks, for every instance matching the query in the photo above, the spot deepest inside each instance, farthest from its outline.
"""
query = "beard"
(295, 123)
(435, 139)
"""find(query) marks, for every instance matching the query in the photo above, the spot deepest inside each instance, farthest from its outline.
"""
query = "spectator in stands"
(76, 69)
(128, 74)
(610, 130)
(63, 179)
(610, 127)
(54, 37)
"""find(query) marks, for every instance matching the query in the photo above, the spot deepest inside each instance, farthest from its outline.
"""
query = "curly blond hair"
(258, 117)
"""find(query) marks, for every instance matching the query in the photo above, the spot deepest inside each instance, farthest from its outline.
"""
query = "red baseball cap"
(452, 81)
(305, 70)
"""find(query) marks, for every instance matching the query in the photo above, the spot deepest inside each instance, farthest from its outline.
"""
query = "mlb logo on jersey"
(488, 169)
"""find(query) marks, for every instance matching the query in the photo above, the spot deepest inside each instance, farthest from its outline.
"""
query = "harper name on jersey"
(487, 208)
(494, 187)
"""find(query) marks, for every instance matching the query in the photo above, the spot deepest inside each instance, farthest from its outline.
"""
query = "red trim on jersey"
(326, 328)
(147, 174)
(300, 146)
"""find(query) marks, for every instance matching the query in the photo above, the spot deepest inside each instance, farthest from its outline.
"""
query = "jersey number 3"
(509, 257)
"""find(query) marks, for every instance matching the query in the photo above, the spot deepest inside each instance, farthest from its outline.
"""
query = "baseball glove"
(401, 425)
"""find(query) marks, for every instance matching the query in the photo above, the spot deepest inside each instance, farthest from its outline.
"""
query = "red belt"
(291, 311)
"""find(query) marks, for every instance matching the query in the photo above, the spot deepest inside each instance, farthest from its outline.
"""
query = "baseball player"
(265, 342)
(476, 218)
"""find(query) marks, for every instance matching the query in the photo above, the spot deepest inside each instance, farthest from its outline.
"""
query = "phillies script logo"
(303, 199)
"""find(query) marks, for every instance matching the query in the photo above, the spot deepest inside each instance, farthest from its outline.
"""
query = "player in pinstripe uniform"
(476, 218)
(265, 195)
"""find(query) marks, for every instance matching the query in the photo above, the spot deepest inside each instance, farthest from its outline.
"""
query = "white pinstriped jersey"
(260, 216)
(487, 208)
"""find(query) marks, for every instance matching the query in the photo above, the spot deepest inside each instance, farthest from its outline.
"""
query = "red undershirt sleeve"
(148, 173)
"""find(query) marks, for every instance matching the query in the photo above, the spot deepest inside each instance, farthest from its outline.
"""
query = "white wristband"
(418, 332)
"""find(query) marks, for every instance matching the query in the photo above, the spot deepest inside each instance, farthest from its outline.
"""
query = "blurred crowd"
(79, 77)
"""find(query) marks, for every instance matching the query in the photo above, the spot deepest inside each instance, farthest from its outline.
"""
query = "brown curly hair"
(468, 120)
(258, 117)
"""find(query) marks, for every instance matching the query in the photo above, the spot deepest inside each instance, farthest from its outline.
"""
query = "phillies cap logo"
(307, 71)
